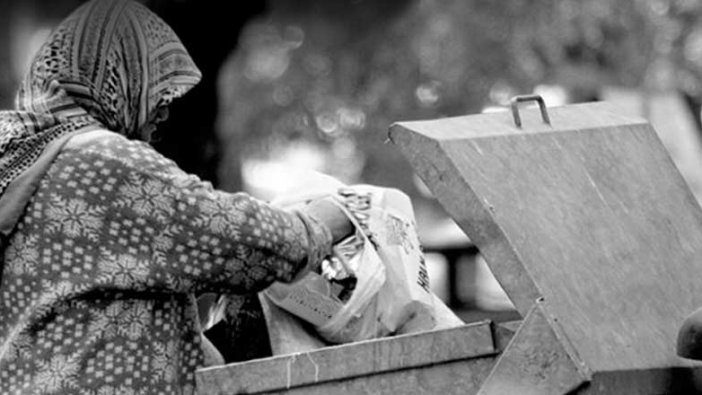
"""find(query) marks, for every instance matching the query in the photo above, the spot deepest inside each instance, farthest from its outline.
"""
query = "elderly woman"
(104, 241)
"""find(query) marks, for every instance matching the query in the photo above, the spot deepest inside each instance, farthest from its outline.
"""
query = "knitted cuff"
(319, 244)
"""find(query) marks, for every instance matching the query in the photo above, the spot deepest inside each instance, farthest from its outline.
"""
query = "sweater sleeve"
(151, 226)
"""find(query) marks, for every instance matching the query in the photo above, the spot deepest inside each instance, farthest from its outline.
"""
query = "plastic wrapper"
(341, 301)
(390, 291)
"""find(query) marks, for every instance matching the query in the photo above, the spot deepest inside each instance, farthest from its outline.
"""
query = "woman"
(104, 241)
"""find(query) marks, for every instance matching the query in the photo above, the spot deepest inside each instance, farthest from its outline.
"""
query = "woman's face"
(158, 116)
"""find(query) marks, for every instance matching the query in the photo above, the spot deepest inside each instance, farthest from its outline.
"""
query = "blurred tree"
(680, 46)
(337, 74)
(584, 45)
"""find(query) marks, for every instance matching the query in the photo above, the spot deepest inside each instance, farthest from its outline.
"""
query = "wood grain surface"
(589, 213)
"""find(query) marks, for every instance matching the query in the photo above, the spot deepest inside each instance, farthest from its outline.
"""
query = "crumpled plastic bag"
(339, 314)
(319, 302)
(392, 294)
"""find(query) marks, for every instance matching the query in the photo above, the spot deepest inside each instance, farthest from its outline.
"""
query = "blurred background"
(296, 85)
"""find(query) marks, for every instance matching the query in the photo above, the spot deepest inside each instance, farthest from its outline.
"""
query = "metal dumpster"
(588, 226)
(449, 361)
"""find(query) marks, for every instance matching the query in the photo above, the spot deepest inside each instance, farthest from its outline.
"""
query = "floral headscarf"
(109, 64)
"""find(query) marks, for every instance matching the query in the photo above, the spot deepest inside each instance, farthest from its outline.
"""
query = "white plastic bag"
(405, 301)
(314, 299)
(287, 333)
(397, 301)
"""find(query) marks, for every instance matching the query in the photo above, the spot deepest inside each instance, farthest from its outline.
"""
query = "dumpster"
(589, 228)
(448, 361)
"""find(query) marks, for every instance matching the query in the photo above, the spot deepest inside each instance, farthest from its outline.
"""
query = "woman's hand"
(328, 213)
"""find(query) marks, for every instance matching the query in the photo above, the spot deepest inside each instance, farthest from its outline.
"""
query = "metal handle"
(514, 102)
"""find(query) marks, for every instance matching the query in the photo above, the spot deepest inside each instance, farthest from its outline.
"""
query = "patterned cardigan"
(99, 276)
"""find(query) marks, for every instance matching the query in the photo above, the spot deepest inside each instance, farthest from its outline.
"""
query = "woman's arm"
(152, 226)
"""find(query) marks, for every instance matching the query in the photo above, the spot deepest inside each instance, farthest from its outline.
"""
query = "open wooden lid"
(587, 212)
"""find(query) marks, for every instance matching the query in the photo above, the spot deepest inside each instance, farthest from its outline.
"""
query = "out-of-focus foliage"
(680, 24)
(336, 74)
(587, 44)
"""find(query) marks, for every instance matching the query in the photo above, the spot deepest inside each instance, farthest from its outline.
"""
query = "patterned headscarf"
(109, 64)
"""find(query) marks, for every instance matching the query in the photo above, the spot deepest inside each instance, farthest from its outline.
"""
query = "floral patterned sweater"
(99, 276)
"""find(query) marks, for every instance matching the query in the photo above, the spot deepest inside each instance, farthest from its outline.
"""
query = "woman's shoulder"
(97, 138)
(103, 146)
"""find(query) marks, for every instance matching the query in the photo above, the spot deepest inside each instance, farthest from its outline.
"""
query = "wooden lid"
(588, 212)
